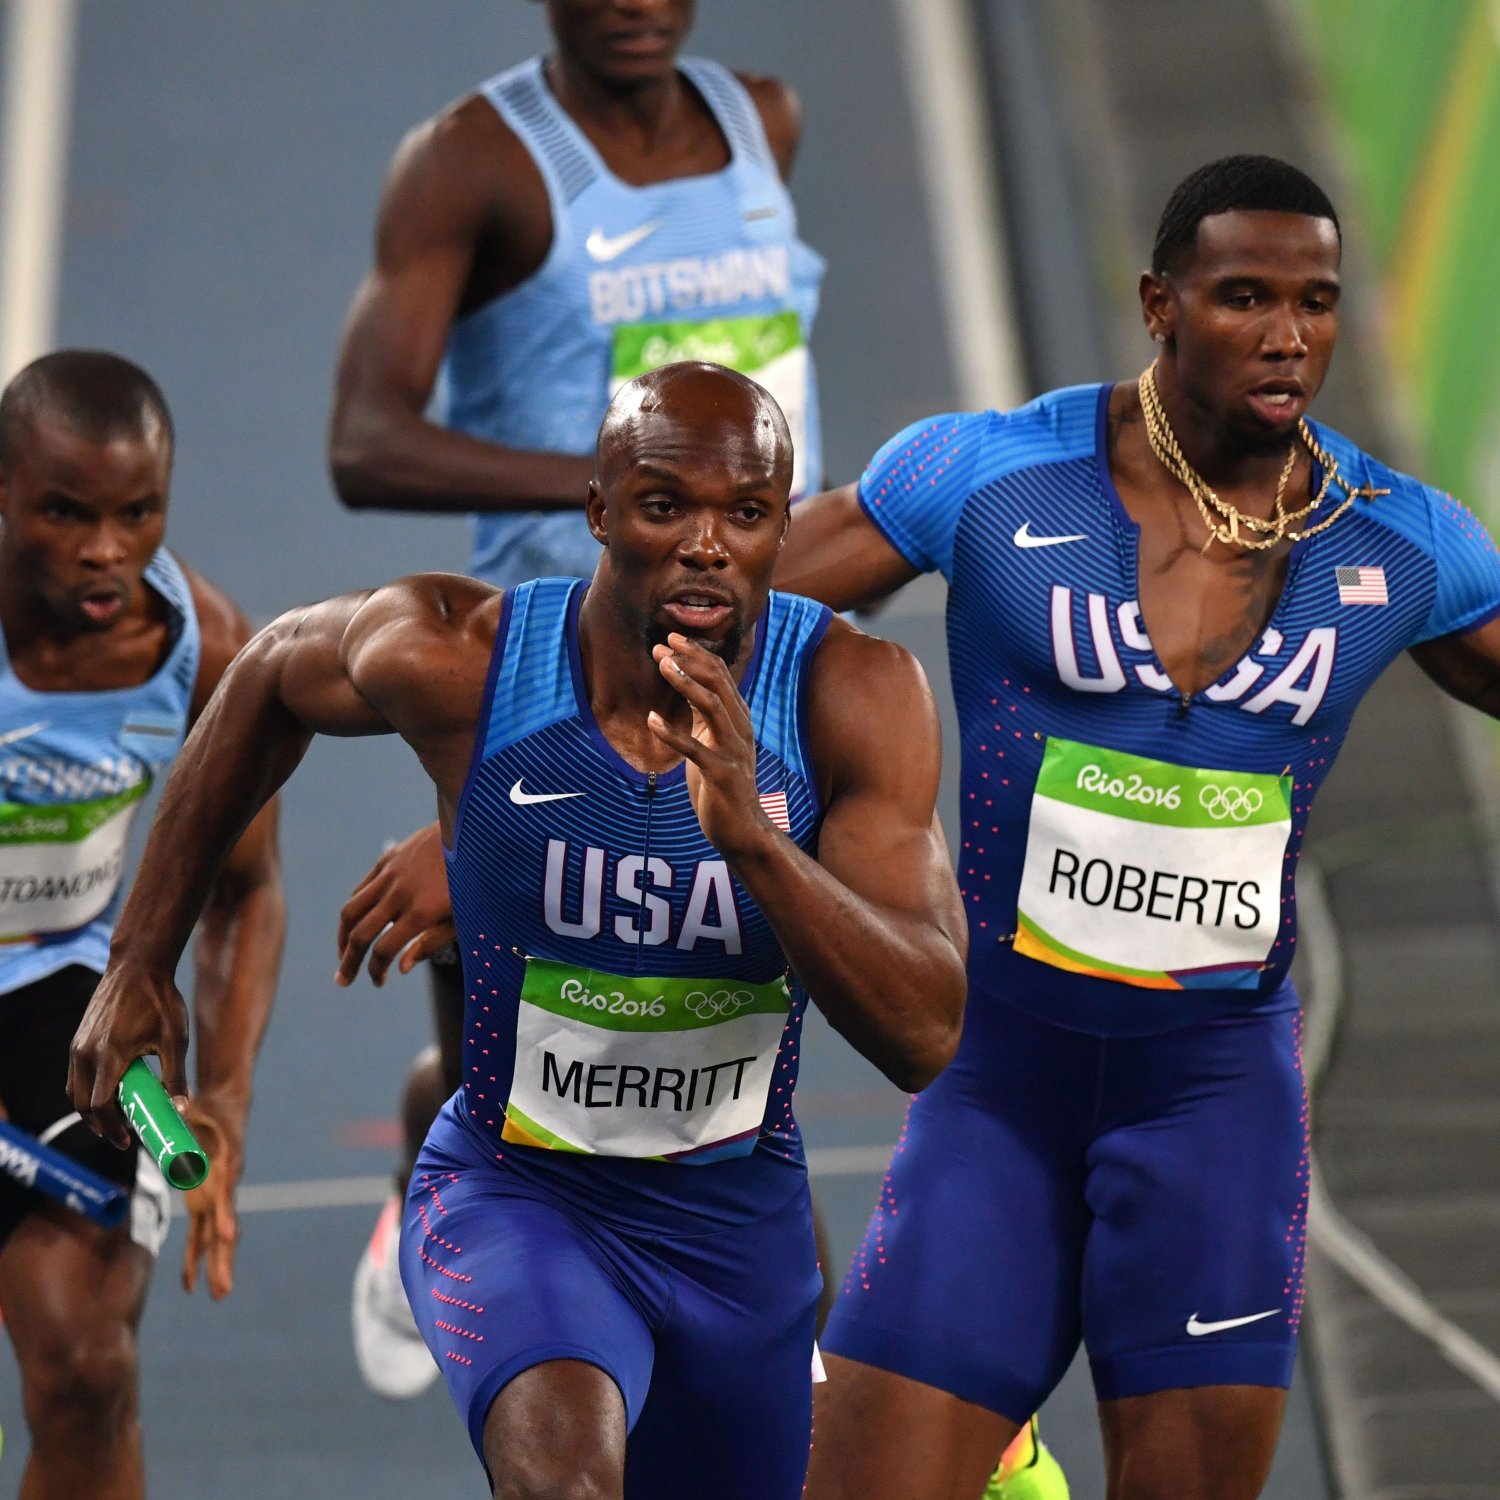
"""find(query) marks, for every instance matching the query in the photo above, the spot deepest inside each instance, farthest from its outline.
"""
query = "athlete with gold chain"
(1167, 597)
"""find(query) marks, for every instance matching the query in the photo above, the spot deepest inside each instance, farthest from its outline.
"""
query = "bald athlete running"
(1166, 598)
(666, 795)
(574, 221)
(109, 648)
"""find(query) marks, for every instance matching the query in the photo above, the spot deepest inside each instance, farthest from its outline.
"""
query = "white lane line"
(39, 45)
(368, 1192)
(1355, 1254)
(959, 173)
(1348, 1247)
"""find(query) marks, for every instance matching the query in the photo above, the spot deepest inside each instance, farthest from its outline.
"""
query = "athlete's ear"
(1158, 305)
(786, 522)
(597, 513)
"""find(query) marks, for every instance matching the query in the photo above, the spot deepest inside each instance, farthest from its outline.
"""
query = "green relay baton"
(160, 1129)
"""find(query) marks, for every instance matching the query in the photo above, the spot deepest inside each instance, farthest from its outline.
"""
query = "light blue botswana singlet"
(706, 267)
(74, 769)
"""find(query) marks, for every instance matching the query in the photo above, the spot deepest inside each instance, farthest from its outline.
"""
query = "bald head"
(692, 407)
(97, 395)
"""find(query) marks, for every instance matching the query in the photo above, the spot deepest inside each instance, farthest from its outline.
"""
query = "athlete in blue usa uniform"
(1167, 597)
(109, 648)
(574, 221)
(676, 806)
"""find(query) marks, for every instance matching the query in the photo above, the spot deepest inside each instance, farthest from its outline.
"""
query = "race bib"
(60, 866)
(1150, 873)
(770, 350)
(660, 1069)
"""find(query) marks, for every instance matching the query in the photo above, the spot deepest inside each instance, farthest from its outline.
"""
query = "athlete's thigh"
(502, 1279)
(69, 1289)
(880, 1436)
(1193, 1274)
(968, 1276)
(730, 1407)
(1211, 1440)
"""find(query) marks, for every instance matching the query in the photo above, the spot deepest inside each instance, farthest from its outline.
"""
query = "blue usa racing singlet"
(630, 1025)
(1127, 851)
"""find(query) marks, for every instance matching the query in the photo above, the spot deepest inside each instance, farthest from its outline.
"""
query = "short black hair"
(97, 394)
(1245, 183)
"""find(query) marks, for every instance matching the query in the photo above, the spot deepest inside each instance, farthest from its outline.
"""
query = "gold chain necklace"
(1227, 523)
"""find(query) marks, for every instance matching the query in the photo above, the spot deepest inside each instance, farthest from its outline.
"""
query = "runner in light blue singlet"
(74, 768)
(637, 276)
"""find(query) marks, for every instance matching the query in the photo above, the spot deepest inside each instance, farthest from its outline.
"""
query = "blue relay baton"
(34, 1165)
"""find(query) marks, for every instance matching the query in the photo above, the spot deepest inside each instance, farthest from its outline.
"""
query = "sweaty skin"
(1252, 314)
(83, 516)
(691, 506)
(465, 218)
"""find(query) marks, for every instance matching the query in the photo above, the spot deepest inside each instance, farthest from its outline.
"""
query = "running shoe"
(1027, 1471)
(388, 1347)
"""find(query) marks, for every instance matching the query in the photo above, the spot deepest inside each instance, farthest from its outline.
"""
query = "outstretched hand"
(134, 1012)
(719, 748)
(213, 1225)
(401, 908)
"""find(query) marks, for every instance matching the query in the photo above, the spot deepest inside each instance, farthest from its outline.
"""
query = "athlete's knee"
(557, 1478)
(81, 1391)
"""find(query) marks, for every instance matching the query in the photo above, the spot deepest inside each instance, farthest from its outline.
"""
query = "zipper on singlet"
(640, 926)
(1184, 703)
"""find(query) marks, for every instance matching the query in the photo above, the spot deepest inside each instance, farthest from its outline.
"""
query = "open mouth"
(1278, 401)
(698, 611)
(101, 608)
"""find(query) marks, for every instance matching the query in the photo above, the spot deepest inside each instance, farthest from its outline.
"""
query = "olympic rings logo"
(718, 1006)
(1234, 802)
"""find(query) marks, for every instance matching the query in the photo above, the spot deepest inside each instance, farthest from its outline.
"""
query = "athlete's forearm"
(394, 459)
(237, 956)
(892, 984)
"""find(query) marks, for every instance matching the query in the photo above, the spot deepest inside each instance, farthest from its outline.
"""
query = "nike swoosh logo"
(1197, 1329)
(1024, 538)
(606, 247)
(12, 735)
(525, 799)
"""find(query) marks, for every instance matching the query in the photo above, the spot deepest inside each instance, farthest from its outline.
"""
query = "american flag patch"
(1361, 585)
(774, 806)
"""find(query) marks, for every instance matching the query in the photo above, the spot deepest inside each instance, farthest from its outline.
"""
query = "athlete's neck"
(644, 110)
(623, 681)
(1222, 457)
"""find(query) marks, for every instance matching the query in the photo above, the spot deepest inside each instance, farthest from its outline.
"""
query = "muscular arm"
(1466, 667)
(834, 553)
(408, 658)
(462, 188)
(237, 951)
(874, 927)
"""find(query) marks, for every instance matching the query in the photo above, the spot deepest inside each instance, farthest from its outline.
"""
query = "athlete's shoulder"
(780, 116)
(1399, 502)
(864, 689)
(467, 153)
(1056, 427)
(917, 487)
(1462, 563)
(223, 627)
(421, 629)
